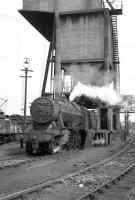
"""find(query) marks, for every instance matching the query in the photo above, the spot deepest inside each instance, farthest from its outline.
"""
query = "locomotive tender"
(62, 123)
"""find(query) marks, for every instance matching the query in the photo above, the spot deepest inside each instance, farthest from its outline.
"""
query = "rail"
(73, 177)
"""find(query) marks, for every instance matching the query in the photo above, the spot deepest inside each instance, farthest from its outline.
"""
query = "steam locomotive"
(60, 123)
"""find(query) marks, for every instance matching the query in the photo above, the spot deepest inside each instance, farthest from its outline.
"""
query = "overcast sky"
(18, 40)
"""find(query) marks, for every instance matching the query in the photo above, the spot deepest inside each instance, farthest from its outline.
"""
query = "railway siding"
(86, 181)
(89, 181)
(17, 161)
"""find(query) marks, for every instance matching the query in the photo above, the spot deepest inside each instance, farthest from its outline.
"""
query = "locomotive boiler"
(60, 123)
(55, 123)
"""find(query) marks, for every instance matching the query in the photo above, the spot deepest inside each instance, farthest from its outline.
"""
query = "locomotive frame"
(64, 124)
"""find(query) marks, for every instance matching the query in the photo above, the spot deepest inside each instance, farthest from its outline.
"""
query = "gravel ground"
(29, 175)
(11, 149)
(123, 190)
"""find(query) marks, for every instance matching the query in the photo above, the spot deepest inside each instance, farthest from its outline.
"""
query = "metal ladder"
(115, 53)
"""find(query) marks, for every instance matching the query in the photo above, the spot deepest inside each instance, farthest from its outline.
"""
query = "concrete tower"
(83, 40)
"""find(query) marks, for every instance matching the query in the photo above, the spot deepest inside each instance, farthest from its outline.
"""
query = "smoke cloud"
(128, 102)
(91, 74)
(90, 79)
(104, 93)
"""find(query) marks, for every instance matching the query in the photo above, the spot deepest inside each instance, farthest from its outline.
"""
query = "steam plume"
(90, 81)
(104, 93)
(89, 74)
(128, 102)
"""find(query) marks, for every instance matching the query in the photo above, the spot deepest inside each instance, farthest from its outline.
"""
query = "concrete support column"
(116, 85)
(106, 44)
(58, 75)
(114, 81)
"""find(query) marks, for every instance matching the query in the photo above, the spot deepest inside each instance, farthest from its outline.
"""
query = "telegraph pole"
(26, 70)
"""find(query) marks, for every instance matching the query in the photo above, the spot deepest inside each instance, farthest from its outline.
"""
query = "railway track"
(83, 184)
(15, 161)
